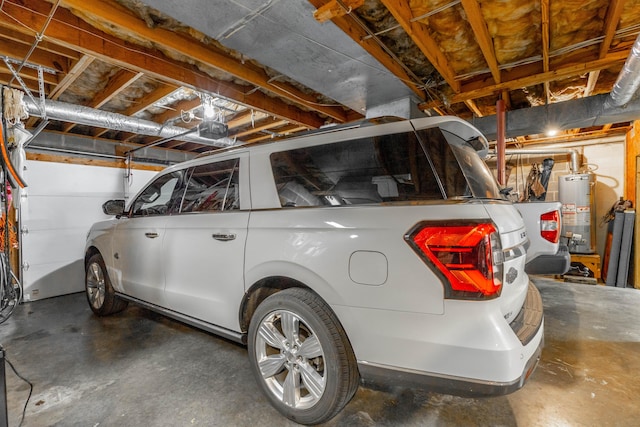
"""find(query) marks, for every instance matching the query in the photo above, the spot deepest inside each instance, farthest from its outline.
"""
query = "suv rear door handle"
(224, 237)
(151, 235)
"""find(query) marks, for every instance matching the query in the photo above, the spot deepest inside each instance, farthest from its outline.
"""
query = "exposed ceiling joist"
(530, 80)
(610, 25)
(357, 30)
(209, 55)
(46, 59)
(479, 26)
(116, 84)
(268, 125)
(460, 55)
(70, 31)
(401, 10)
(76, 69)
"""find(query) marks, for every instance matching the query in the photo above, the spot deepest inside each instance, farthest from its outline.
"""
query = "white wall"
(58, 207)
(608, 159)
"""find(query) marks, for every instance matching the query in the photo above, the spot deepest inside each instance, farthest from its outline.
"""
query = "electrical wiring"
(26, 403)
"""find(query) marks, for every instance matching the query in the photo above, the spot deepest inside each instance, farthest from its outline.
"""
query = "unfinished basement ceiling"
(275, 70)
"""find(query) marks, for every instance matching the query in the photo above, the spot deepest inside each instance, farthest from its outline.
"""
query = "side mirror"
(113, 207)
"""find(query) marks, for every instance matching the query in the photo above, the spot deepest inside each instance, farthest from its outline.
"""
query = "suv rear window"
(397, 167)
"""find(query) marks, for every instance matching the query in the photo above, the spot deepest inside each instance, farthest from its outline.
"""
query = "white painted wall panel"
(61, 203)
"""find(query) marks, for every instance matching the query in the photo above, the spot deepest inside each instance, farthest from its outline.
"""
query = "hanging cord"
(10, 288)
(26, 403)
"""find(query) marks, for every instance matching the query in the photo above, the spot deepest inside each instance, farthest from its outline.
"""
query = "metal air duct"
(628, 80)
(543, 151)
(56, 110)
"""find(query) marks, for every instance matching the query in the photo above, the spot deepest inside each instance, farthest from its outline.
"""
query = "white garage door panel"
(45, 211)
(61, 203)
(50, 280)
(47, 246)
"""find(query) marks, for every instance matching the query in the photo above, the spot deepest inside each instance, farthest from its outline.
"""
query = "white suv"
(362, 253)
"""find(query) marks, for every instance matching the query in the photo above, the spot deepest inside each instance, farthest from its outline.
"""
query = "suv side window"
(445, 163)
(161, 197)
(369, 170)
(213, 187)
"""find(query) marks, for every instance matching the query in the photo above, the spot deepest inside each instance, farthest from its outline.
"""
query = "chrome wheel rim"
(291, 359)
(95, 285)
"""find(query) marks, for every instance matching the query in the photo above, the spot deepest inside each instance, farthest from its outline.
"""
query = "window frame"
(176, 193)
(232, 179)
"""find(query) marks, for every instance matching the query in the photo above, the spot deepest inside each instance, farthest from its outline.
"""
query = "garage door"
(58, 207)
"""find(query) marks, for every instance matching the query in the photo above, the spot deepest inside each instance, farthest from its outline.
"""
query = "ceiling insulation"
(276, 71)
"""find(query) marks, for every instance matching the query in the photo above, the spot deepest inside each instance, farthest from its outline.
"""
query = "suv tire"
(301, 357)
(100, 294)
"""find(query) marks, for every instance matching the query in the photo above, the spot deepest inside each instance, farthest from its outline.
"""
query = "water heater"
(576, 193)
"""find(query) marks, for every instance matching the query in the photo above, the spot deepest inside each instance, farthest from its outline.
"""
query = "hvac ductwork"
(628, 80)
(574, 165)
(55, 110)
(543, 151)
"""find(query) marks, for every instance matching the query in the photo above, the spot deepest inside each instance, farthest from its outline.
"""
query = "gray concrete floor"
(138, 368)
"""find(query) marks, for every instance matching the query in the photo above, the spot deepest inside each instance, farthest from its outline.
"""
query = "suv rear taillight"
(468, 255)
(550, 226)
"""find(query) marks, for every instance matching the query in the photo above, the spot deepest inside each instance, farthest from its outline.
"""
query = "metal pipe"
(501, 143)
(628, 80)
(55, 110)
(82, 153)
(573, 144)
(574, 165)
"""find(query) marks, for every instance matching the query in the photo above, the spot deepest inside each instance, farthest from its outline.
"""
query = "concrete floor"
(141, 369)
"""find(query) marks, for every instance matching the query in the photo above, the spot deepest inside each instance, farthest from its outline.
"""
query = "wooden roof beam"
(117, 83)
(614, 11)
(6, 77)
(352, 26)
(18, 51)
(591, 83)
(28, 40)
(75, 70)
(473, 107)
(271, 124)
(30, 74)
(176, 111)
(526, 81)
(479, 26)
(72, 32)
(149, 99)
(335, 9)
(401, 10)
(116, 15)
(143, 103)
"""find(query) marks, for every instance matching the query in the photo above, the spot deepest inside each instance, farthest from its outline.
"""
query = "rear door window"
(212, 187)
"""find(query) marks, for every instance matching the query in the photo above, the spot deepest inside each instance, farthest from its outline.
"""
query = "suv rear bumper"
(559, 263)
(528, 326)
